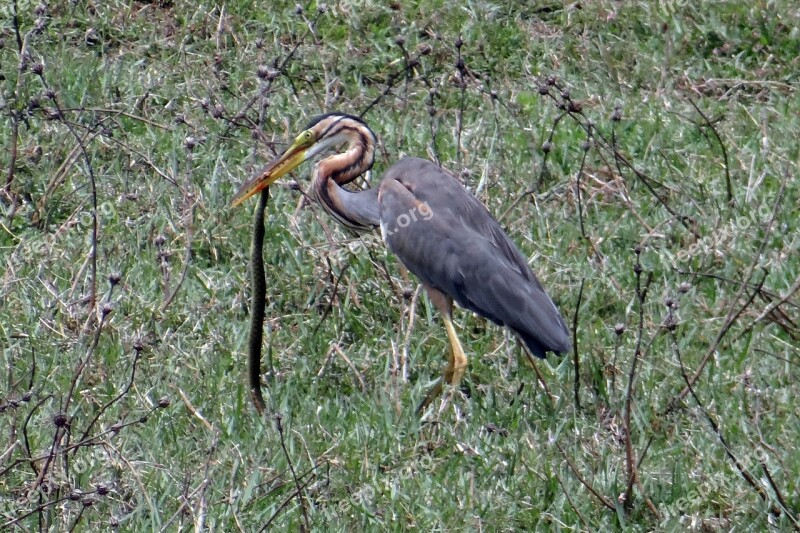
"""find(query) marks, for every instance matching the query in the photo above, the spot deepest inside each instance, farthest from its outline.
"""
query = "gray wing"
(448, 239)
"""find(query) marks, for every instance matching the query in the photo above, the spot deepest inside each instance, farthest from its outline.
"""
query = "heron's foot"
(434, 393)
(453, 373)
(456, 368)
(457, 364)
(446, 397)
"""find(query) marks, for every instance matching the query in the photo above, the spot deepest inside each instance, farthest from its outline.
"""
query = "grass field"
(643, 156)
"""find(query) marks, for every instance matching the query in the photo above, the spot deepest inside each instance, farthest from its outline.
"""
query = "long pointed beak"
(281, 165)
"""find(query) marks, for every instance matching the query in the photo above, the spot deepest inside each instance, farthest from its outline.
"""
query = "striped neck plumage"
(355, 210)
(359, 153)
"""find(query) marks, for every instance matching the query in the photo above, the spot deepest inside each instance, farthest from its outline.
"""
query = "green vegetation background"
(123, 398)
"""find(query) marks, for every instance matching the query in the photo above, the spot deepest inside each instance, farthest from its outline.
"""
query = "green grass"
(162, 106)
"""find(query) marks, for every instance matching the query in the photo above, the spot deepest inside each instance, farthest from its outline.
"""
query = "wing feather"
(448, 239)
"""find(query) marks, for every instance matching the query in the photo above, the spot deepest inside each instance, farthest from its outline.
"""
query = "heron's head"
(322, 133)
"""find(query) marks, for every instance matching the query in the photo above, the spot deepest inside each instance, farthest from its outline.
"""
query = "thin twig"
(334, 292)
(347, 360)
(575, 354)
(462, 84)
(777, 491)
(267, 86)
(119, 113)
(298, 486)
(192, 409)
(604, 500)
(774, 510)
(578, 195)
(770, 308)
(93, 184)
(571, 503)
(733, 314)
(539, 376)
(187, 255)
(546, 148)
(630, 460)
(137, 354)
(22, 49)
(85, 361)
(391, 81)
(200, 519)
(286, 502)
(764, 293)
(710, 125)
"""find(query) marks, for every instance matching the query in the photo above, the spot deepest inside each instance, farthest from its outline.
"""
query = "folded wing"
(448, 239)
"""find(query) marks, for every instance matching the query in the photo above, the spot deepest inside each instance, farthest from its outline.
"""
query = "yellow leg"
(456, 365)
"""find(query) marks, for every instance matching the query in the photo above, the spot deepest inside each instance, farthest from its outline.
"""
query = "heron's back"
(448, 239)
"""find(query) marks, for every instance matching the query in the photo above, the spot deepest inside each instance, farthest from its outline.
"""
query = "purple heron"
(438, 230)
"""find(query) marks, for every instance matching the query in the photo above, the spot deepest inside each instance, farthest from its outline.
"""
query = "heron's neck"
(354, 161)
(357, 210)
